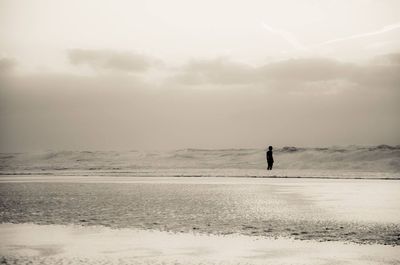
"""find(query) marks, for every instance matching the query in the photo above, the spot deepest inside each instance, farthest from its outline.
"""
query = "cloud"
(51, 111)
(362, 35)
(217, 71)
(112, 60)
(305, 70)
(227, 72)
(387, 59)
(292, 72)
(7, 65)
(308, 101)
(291, 39)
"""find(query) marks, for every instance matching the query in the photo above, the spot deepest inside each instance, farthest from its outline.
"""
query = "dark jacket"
(270, 159)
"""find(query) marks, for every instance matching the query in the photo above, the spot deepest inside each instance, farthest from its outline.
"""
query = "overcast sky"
(112, 75)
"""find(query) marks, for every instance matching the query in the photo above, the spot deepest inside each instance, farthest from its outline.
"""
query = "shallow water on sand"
(362, 211)
(56, 244)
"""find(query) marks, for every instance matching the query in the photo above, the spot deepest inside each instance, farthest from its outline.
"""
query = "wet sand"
(55, 244)
(198, 220)
(360, 211)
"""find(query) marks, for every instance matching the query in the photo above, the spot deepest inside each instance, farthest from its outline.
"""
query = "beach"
(56, 244)
(199, 132)
(326, 221)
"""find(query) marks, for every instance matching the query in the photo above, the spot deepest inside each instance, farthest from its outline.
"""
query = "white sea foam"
(348, 162)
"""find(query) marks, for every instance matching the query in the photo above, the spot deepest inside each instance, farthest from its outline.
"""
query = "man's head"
(270, 148)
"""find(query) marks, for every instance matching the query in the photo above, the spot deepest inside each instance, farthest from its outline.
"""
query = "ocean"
(380, 162)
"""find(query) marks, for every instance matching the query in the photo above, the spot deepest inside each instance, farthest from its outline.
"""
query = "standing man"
(270, 159)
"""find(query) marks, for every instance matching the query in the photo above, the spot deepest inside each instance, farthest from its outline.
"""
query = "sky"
(155, 75)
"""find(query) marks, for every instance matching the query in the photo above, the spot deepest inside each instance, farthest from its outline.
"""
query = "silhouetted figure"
(270, 159)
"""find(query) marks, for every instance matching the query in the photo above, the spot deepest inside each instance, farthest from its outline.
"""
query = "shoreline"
(4, 176)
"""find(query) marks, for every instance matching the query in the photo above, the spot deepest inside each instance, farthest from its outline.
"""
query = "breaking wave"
(381, 158)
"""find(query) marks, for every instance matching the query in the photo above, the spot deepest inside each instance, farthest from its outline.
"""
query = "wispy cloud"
(287, 36)
(291, 39)
(362, 35)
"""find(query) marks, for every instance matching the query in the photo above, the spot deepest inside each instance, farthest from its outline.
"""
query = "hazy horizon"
(152, 75)
(276, 148)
